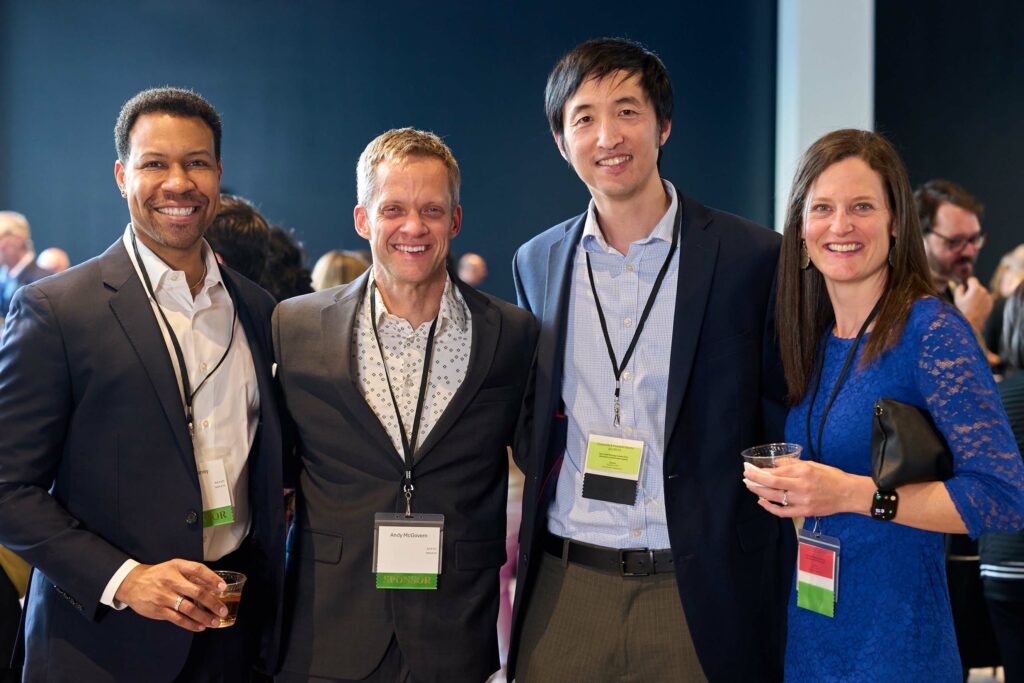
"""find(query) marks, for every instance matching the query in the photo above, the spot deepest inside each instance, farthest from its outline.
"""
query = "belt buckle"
(622, 561)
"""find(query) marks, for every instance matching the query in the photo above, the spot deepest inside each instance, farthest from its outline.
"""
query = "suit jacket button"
(191, 517)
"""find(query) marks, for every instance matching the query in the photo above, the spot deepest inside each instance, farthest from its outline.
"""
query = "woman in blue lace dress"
(853, 291)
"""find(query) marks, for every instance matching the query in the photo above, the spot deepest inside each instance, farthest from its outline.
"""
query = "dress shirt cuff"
(115, 582)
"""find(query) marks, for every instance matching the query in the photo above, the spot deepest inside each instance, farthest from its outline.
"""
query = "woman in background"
(337, 267)
(857, 322)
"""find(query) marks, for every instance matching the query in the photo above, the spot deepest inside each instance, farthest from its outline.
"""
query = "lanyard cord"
(816, 453)
(617, 368)
(186, 385)
(408, 445)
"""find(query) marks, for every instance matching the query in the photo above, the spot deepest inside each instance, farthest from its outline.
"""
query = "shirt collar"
(593, 239)
(159, 272)
(453, 309)
(15, 271)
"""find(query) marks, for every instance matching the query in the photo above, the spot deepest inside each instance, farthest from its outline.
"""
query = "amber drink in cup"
(231, 596)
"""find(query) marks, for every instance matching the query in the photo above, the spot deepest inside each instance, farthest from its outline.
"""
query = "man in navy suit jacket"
(641, 554)
(141, 446)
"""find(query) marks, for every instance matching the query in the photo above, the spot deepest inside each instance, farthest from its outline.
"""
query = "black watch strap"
(884, 504)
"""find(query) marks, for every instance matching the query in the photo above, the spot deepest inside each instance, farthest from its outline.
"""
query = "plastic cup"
(231, 596)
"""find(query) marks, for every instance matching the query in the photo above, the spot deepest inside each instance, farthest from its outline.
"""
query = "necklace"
(200, 280)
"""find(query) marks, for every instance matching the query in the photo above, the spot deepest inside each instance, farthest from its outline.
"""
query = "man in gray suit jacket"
(405, 387)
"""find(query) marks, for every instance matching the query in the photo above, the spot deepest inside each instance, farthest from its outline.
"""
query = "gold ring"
(177, 603)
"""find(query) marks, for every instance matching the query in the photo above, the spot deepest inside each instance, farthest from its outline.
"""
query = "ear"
(666, 129)
(220, 173)
(362, 221)
(456, 221)
(119, 175)
(560, 143)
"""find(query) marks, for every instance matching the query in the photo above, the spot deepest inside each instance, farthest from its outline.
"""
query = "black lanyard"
(186, 385)
(815, 453)
(408, 444)
(617, 368)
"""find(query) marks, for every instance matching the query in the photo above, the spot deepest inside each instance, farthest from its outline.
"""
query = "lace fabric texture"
(892, 619)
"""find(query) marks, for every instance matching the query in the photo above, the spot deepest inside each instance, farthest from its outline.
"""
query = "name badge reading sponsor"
(407, 550)
(611, 471)
(213, 481)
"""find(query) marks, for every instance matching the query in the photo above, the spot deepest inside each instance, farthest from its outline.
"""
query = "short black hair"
(177, 101)
(931, 195)
(241, 236)
(286, 274)
(598, 58)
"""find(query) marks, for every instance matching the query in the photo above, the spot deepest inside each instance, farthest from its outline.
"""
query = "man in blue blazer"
(642, 559)
(17, 258)
(141, 446)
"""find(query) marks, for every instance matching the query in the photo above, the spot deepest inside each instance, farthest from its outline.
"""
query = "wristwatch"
(883, 505)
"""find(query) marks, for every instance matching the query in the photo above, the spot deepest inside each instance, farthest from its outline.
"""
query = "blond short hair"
(397, 145)
(14, 223)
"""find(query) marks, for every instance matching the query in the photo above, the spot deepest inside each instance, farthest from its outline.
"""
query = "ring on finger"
(177, 603)
(785, 498)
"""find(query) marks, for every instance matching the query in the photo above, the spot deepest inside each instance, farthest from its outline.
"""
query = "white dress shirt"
(226, 409)
(405, 349)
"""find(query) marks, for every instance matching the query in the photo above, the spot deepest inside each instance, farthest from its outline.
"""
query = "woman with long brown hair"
(857, 322)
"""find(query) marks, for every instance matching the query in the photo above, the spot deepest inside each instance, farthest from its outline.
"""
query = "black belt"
(627, 562)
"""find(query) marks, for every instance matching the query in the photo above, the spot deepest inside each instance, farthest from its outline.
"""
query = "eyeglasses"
(958, 243)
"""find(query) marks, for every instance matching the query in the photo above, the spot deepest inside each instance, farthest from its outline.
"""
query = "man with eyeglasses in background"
(951, 224)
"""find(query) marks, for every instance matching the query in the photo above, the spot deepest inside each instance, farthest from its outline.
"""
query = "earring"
(124, 194)
(892, 257)
(805, 258)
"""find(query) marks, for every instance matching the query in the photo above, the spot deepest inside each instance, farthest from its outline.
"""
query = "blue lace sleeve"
(987, 486)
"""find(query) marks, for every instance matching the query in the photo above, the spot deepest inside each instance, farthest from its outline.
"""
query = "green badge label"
(218, 516)
(614, 457)
(407, 581)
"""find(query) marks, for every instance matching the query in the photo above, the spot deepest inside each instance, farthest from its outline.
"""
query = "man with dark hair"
(17, 258)
(141, 447)
(641, 556)
(240, 236)
(951, 223)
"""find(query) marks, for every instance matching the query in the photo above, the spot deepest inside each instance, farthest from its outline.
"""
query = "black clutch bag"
(906, 448)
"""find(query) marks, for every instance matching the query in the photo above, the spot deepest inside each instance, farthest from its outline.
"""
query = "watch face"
(883, 505)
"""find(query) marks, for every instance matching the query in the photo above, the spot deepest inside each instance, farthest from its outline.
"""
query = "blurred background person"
(54, 259)
(240, 236)
(337, 267)
(286, 274)
(1008, 274)
(1002, 555)
(472, 269)
(860, 322)
(17, 257)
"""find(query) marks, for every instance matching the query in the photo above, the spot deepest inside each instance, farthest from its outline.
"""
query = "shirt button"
(630, 267)
(202, 367)
(627, 322)
(174, 276)
(627, 375)
(636, 533)
(408, 381)
(628, 431)
(206, 424)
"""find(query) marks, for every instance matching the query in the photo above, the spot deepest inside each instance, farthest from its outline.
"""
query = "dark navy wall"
(303, 86)
(950, 95)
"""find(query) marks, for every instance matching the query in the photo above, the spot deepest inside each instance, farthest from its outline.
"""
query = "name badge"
(407, 550)
(817, 575)
(213, 482)
(611, 471)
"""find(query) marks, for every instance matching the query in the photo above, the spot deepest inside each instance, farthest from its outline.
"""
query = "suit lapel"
(551, 344)
(697, 258)
(337, 321)
(134, 313)
(486, 322)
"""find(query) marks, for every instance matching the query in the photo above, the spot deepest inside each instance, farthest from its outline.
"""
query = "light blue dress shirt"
(623, 283)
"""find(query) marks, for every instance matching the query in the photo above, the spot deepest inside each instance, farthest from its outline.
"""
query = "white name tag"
(213, 481)
(407, 550)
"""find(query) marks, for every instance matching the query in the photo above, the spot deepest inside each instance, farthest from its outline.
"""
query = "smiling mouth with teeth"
(177, 210)
(411, 249)
(844, 247)
(614, 161)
